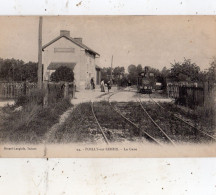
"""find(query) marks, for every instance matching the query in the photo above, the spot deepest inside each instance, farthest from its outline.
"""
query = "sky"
(155, 41)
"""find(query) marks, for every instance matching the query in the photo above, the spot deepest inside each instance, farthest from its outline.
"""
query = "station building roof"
(77, 41)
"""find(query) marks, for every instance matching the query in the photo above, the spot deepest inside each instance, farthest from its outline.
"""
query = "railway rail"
(101, 129)
(184, 121)
(119, 108)
(153, 121)
(132, 123)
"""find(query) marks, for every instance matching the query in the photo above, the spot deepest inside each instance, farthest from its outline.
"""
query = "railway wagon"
(146, 82)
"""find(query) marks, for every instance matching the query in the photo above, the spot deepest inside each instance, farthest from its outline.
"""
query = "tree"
(211, 74)
(132, 74)
(105, 73)
(62, 73)
(8, 69)
(139, 69)
(132, 69)
(17, 70)
(165, 72)
(26, 72)
(30, 71)
(118, 72)
(185, 71)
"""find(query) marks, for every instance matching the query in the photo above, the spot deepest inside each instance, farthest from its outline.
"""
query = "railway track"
(161, 133)
(153, 121)
(190, 135)
(96, 119)
(101, 129)
(155, 132)
(184, 121)
(122, 112)
(121, 109)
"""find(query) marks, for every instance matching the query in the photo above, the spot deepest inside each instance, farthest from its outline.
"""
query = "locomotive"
(146, 82)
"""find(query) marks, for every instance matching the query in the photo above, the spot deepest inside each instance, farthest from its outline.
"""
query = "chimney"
(65, 33)
(78, 39)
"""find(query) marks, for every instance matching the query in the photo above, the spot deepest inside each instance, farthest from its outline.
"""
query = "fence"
(54, 90)
(173, 91)
(190, 96)
(13, 89)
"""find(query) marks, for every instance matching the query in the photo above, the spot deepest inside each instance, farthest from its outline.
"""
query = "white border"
(108, 176)
(107, 7)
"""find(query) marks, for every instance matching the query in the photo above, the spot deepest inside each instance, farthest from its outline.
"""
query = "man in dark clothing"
(108, 86)
(92, 83)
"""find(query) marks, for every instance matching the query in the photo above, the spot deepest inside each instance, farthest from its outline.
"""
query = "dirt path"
(50, 135)
(6, 102)
(132, 95)
(92, 95)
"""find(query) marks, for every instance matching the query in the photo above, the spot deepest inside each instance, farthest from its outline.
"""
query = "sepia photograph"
(107, 86)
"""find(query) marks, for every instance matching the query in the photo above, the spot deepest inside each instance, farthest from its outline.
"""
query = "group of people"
(102, 85)
(108, 85)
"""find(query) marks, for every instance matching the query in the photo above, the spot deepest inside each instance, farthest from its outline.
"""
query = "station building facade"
(71, 52)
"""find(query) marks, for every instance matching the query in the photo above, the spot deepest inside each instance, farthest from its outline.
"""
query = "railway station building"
(71, 52)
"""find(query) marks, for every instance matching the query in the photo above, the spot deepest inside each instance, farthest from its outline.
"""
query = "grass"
(204, 117)
(30, 124)
(81, 127)
(116, 128)
(175, 129)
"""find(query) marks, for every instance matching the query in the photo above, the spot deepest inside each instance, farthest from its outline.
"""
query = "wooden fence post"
(25, 88)
(46, 89)
(168, 90)
(205, 93)
(11, 90)
(74, 90)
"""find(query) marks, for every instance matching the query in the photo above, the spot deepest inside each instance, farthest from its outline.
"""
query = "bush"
(31, 123)
(34, 120)
(207, 114)
(123, 82)
(56, 92)
(62, 73)
(35, 96)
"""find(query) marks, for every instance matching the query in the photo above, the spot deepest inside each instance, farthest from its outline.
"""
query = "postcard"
(107, 86)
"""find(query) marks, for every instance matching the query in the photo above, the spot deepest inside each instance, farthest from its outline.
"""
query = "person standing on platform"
(92, 83)
(108, 86)
(102, 86)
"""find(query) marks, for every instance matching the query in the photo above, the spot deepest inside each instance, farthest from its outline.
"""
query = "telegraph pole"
(111, 69)
(40, 79)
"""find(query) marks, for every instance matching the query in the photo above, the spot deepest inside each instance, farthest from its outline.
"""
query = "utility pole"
(40, 79)
(111, 69)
